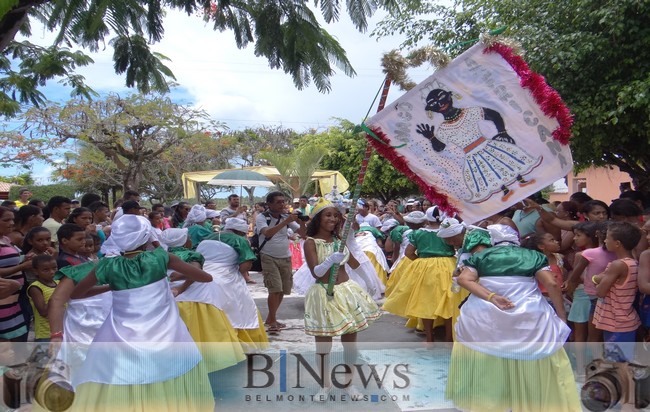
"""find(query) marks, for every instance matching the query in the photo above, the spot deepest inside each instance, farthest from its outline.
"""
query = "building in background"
(602, 183)
(4, 190)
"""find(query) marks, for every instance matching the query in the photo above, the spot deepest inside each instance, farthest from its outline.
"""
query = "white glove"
(323, 268)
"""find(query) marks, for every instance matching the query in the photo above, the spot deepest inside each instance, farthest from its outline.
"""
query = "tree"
(594, 54)
(297, 166)
(251, 142)
(203, 151)
(22, 179)
(129, 132)
(346, 151)
(285, 32)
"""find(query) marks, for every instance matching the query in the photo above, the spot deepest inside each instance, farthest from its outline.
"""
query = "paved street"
(412, 377)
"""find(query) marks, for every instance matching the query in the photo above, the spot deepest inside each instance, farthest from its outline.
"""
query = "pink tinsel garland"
(545, 96)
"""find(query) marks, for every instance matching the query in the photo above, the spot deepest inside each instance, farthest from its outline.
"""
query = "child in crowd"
(40, 292)
(72, 239)
(83, 217)
(550, 247)
(38, 241)
(617, 286)
(592, 260)
(91, 247)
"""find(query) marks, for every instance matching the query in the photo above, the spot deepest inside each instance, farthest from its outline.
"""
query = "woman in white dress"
(142, 357)
(227, 254)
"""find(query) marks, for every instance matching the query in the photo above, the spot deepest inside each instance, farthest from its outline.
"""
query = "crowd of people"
(508, 290)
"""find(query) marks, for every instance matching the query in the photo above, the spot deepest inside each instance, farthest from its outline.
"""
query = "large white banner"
(478, 135)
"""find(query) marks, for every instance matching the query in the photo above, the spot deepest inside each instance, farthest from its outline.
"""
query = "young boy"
(40, 292)
(72, 239)
(617, 287)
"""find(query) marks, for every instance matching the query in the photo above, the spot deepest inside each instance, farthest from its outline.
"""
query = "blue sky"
(239, 89)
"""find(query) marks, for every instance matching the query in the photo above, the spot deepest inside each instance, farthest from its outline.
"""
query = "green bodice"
(75, 273)
(507, 261)
(239, 243)
(428, 244)
(187, 255)
(130, 273)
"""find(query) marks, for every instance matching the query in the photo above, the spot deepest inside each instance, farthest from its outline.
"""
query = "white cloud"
(235, 86)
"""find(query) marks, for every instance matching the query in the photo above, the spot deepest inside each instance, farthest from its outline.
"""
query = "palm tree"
(297, 167)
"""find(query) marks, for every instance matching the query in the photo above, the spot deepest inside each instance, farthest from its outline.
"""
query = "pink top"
(598, 259)
(615, 312)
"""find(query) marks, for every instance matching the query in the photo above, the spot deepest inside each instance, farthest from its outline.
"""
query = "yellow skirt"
(426, 291)
(213, 334)
(351, 310)
(479, 382)
(254, 339)
(188, 392)
(379, 269)
(400, 271)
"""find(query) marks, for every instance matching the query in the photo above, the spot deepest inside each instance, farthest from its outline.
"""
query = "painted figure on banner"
(490, 164)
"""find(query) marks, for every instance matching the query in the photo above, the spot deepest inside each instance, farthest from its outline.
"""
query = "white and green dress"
(143, 357)
(511, 359)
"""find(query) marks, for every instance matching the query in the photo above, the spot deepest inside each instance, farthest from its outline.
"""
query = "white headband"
(196, 215)
(237, 224)
(415, 217)
(173, 237)
(503, 234)
(130, 232)
(450, 227)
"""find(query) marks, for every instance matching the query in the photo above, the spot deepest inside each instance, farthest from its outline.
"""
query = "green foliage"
(37, 65)
(297, 166)
(285, 32)
(45, 192)
(346, 152)
(595, 54)
(129, 132)
(22, 179)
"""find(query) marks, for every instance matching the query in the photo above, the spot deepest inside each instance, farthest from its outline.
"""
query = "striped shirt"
(615, 312)
(12, 320)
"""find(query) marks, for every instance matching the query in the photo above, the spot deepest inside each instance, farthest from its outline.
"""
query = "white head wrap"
(173, 237)
(415, 217)
(109, 248)
(503, 234)
(196, 215)
(431, 218)
(237, 224)
(211, 214)
(389, 224)
(130, 232)
(450, 227)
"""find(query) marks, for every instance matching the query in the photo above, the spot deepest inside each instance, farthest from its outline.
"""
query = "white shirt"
(370, 219)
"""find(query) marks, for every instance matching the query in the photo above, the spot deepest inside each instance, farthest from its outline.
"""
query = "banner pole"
(357, 192)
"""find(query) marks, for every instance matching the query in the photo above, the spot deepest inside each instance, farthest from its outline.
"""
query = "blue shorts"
(580, 308)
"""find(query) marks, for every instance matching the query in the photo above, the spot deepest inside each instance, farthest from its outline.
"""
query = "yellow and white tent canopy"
(325, 178)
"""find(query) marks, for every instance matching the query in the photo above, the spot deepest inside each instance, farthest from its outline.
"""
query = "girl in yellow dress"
(351, 310)
(426, 292)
